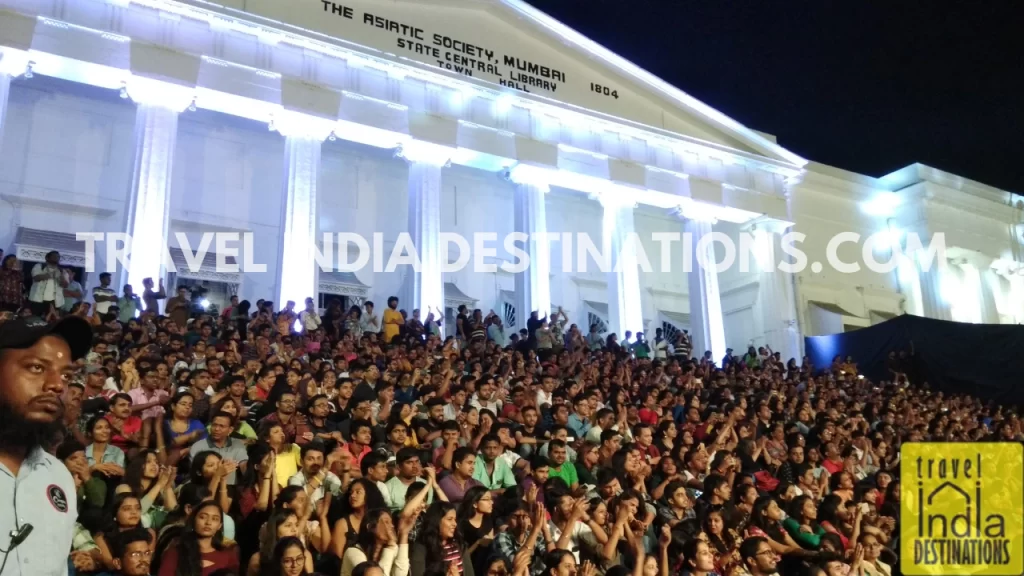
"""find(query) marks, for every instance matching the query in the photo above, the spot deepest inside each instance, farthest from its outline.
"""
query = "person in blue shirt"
(579, 420)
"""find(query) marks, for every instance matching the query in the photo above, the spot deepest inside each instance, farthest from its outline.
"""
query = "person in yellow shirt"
(392, 319)
(288, 455)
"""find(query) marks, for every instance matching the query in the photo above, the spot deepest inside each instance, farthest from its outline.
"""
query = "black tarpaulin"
(985, 360)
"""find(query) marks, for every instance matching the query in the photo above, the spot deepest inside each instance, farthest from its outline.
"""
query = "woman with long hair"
(241, 429)
(665, 436)
(723, 541)
(477, 524)
(283, 523)
(834, 519)
(802, 523)
(143, 476)
(698, 560)
(209, 469)
(350, 510)
(765, 521)
(289, 559)
(181, 431)
(189, 498)
(258, 486)
(125, 513)
(378, 542)
(202, 549)
(560, 562)
(102, 456)
(439, 549)
(316, 532)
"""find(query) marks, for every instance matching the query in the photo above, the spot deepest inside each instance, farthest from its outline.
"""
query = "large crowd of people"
(271, 440)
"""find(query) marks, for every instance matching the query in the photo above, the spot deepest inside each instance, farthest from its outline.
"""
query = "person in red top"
(359, 444)
(126, 428)
(259, 485)
(645, 440)
(651, 412)
(833, 460)
(510, 410)
(201, 549)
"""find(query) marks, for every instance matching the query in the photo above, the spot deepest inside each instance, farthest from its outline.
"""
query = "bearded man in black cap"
(38, 511)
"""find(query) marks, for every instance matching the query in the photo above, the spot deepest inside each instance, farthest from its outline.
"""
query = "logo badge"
(961, 508)
(57, 498)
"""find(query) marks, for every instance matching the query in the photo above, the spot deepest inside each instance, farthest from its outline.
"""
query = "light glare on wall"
(503, 104)
(884, 205)
(889, 240)
(950, 287)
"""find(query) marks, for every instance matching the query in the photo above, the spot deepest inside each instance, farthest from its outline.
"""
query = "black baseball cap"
(24, 333)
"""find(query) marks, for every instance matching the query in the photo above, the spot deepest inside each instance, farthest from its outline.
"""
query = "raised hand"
(587, 569)
(227, 468)
(540, 516)
(166, 475)
(531, 495)
(521, 562)
(858, 559)
(407, 521)
(323, 506)
(579, 510)
(623, 514)
(666, 536)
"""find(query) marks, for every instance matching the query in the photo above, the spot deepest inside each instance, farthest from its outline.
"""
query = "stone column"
(933, 300)
(1016, 294)
(300, 206)
(775, 294)
(5, 94)
(13, 63)
(977, 270)
(625, 312)
(424, 288)
(533, 285)
(156, 136)
(989, 310)
(707, 326)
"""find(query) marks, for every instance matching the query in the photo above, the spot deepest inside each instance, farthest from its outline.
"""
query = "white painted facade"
(359, 133)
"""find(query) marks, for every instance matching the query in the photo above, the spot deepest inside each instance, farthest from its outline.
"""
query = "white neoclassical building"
(288, 119)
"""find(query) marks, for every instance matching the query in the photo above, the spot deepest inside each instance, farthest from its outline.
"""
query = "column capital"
(768, 224)
(1008, 268)
(420, 152)
(528, 175)
(149, 92)
(982, 262)
(14, 63)
(690, 209)
(291, 124)
(613, 200)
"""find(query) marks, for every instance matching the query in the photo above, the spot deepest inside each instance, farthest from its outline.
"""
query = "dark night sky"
(866, 86)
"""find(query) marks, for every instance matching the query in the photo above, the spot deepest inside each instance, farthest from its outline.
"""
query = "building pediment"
(510, 45)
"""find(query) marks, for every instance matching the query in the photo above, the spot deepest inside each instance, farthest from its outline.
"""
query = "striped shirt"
(683, 349)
